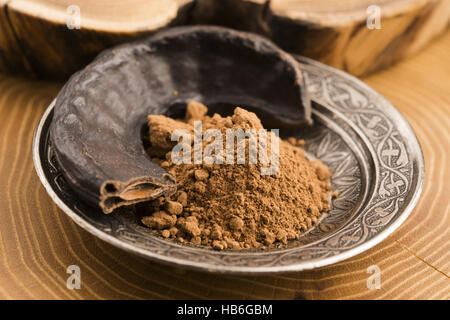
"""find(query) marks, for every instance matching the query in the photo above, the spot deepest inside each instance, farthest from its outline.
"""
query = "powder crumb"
(182, 198)
(190, 226)
(226, 206)
(216, 233)
(159, 220)
(196, 240)
(173, 232)
(161, 128)
(292, 140)
(236, 223)
(201, 174)
(269, 237)
(181, 239)
(195, 111)
(282, 236)
(165, 233)
(232, 244)
(314, 211)
(165, 164)
(322, 171)
(216, 244)
(200, 187)
(300, 143)
(174, 207)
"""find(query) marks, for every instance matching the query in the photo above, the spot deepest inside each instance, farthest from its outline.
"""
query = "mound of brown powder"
(234, 206)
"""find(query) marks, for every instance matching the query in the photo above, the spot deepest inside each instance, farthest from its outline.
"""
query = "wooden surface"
(38, 242)
(36, 41)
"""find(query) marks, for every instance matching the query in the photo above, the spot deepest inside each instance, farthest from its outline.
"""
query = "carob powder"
(234, 206)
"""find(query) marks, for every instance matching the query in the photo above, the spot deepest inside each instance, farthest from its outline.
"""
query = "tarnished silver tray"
(372, 151)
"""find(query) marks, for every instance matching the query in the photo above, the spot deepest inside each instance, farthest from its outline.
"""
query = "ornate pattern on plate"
(332, 150)
(394, 170)
(391, 163)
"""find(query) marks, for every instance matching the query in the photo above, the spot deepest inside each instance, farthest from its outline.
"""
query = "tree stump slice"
(55, 51)
(11, 57)
(337, 32)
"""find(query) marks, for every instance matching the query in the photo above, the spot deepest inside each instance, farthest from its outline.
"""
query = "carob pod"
(100, 113)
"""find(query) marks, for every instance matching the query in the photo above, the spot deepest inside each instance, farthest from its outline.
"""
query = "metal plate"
(373, 153)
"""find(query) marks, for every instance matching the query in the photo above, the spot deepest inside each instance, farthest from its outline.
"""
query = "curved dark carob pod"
(101, 111)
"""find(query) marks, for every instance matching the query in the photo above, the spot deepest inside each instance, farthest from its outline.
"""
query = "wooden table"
(38, 242)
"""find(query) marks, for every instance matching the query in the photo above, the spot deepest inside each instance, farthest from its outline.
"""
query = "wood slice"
(11, 57)
(336, 32)
(53, 50)
(35, 39)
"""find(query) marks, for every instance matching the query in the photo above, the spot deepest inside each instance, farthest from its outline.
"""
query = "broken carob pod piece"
(100, 114)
